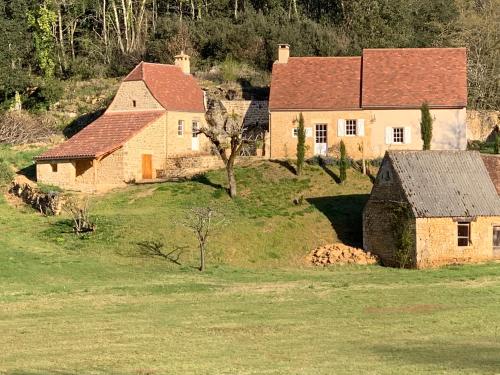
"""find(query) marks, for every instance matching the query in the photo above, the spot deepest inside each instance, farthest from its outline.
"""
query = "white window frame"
(402, 142)
(349, 123)
(180, 128)
(195, 127)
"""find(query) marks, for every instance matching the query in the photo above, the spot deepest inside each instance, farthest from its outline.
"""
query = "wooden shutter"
(407, 135)
(341, 127)
(361, 127)
(388, 136)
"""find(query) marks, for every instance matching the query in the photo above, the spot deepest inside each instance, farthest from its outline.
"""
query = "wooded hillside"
(45, 41)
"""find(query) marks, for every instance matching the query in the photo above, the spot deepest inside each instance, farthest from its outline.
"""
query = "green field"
(98, 305)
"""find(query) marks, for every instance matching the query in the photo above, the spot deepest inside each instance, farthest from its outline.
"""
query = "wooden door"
(147, 167)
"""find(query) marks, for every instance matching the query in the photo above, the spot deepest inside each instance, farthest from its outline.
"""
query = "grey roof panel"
(446, 183)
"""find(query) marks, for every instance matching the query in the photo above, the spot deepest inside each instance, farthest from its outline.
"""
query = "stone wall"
(189, 165)
(492, 163)
(133, 91)
(180, 145)
(481, 124)
(437, 242)
(149, 141)
(449, 131)
(378, 222)
(252, 111)
(56, 172)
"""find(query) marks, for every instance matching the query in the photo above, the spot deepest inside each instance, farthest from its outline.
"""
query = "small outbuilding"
(429, 208)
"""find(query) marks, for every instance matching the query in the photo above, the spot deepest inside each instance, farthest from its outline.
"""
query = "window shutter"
(407, 135)
(388, 136)
(361, 127)
(341, 127)
(309, 132)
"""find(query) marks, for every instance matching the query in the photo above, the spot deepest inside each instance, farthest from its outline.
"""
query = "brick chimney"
(182, 61)
(283, 53)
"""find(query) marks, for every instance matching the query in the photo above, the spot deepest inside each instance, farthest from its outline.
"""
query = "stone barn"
(150, 127)
(429, 208)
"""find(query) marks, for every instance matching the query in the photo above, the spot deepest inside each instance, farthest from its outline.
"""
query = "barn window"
(496, 236)
(134, 103)
(54, 167)
(463, 233)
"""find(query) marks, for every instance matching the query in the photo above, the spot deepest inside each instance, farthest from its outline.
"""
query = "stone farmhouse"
(150, 126)
(371, 102)
(443, 203)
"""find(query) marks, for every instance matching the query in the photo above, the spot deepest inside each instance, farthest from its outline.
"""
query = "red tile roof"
(108, 133)
(316, 83)
(173, 89)
(407, 77)
(402, 78)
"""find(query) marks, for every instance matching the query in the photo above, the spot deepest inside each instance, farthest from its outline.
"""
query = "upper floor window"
(295, 132)
(351, 127)
(180, 128)
(398, 135)
(134, 103)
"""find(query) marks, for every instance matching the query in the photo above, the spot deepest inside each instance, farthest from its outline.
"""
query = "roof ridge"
(412, 48)
(325, 57)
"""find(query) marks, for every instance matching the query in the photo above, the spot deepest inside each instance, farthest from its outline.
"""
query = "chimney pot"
(283, 53)
(182, 61)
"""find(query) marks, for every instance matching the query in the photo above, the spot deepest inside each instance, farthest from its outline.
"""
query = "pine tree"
(426, 126)
(301, 145)
(343, 163)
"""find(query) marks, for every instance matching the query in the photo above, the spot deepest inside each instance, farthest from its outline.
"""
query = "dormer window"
(134, 103)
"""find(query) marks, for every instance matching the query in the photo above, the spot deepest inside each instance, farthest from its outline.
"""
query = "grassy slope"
(95, 305)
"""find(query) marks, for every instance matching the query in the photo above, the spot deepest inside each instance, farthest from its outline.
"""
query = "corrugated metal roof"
(446, 183)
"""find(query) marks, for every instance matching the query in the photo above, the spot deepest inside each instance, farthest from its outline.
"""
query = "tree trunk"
(231, 179)
(202, 258)
(235, 9)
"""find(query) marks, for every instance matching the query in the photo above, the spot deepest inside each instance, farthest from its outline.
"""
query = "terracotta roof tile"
(316, 83)
(106, 134)
(173, 89)
(406, 77)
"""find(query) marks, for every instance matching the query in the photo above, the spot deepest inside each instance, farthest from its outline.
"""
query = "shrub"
(79, 211)
(343, 162)
(6, 173)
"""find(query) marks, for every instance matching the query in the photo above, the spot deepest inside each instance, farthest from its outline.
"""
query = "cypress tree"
(496, 146)
(301, 145)
(343, 162)
(426, 126)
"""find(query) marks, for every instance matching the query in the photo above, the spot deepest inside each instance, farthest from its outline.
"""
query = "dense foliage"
(426, 126)
(95, 38)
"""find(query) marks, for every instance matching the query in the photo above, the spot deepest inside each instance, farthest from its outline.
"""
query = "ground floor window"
(295, 132)
(54, 167)
(180, 128)
(351, 127)
(463, 233)
(398, 135)
(496, 236)
(196, 129)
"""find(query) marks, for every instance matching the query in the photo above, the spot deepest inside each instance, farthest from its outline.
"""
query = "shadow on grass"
(476, 357)
(29, 172)
(203, 179)
(344, 213)
(156, 249)
(286, 164)
(330, 173)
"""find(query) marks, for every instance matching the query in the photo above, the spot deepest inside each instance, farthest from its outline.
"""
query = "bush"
(6, 173)
(21, 127)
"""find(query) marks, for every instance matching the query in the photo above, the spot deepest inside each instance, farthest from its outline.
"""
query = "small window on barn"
(180, 128)
(463, 233)
(134, 103)
(53, 166)
(496, 236)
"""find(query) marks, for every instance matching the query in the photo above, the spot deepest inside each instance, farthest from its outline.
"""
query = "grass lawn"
(97, 305)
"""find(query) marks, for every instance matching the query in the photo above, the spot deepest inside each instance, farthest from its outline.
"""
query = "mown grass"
(96, 305)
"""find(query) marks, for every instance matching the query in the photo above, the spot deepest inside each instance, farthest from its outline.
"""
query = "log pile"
(46, 203)
(340, 254)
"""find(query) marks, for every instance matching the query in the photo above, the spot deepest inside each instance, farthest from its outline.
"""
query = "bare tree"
(201, 221)
(79, 211)
(227, 134)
